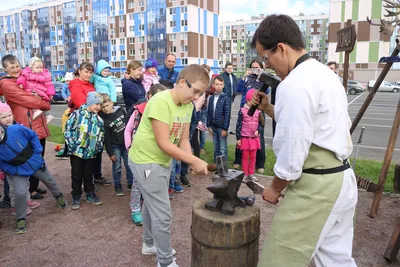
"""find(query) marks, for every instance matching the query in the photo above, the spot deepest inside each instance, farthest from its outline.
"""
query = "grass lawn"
(366, 168)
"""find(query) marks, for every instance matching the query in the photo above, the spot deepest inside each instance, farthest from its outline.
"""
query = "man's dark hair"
(218, 78)
(332, 63)
(228, 64)
(8, 59)
(276, 29)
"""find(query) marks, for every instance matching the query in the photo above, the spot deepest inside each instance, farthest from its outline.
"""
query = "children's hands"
(200, 166)
(210, 131)
(113, 158)
(256, 133)
(239, 143)
(223, 133)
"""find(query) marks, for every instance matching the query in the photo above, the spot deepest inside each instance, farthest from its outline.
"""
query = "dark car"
(58, 96)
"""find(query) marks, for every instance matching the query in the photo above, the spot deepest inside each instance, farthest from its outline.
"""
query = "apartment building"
(235, 38)
(65, 33)
(370, 44)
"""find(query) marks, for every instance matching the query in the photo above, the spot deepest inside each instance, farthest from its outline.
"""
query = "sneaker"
(102, 181)
(202, 151)
(129, 186)
(260, 170)
(236, 166)
(33, 204)
(253, 178)
(152, 250)
(37, 196)
(173, 264)
(178, 188)
(62, 154)
(185, 180)
(118, 191)
(6, 202)
(76, 202)
(41, 191)
(21, 227)
(246, 179)
(37, 113)
(61, 202)
(170, 193)
(49, 118)
(92, 198)
(136, 217)
(14, 212)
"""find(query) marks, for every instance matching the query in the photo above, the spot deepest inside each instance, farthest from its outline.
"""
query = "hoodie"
(21, 151)
(114, 126)
(133, 124)
(104, 85)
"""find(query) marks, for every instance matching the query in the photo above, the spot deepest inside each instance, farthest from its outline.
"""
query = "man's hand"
(239, 143)
(260, 100)
(113, 158)
(200, 166)
(271, 195)
(210, 131)
(223, 133)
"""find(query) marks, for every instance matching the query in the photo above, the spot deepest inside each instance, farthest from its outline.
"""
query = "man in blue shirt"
(230, 81)
(167, 72)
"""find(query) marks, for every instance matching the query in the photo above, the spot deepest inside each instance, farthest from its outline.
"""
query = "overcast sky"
(232, 10)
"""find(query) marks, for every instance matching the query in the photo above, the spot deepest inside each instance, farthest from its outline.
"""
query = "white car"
(385, 87)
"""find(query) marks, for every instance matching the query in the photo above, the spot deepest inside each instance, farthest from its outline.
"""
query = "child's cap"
(150, 63)
(250, 94)
(69, 76)
(33, 60)
(2, 133)
(93, 98)
(4, 108)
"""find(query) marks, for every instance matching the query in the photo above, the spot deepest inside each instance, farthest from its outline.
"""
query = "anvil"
(225, 186)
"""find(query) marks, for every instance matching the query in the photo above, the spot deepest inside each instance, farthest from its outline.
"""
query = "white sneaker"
(246, 179)
(253, 178)
(173, 264)
(260, 170)
(49, 118)
(236, 166)
(37, 113)
(152, 250)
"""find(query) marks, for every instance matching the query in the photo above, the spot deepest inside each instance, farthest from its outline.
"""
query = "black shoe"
(102, 181)
(76, 202)
(41, 191)
(37, 196)
(185, 180)
(6, 202)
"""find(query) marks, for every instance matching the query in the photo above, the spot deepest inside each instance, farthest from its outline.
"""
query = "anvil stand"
(225, 187)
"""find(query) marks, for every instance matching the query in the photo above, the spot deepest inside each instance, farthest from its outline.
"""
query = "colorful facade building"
(65, 33)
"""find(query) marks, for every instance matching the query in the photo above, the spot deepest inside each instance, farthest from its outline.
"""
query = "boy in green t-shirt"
(164, 134)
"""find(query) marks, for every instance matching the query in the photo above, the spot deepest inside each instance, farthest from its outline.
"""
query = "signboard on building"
(346, 39)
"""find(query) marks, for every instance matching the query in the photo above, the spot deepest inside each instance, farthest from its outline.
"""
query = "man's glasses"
(265, 57)
(188, 83)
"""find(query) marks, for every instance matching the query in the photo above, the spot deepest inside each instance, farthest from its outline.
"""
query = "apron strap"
(345, 166)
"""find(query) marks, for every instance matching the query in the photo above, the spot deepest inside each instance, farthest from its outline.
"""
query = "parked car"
(118, 89)
(355, 87)
(58, 96)
(385, 87)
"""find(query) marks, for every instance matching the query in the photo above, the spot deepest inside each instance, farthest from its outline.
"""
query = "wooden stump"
(220, 240)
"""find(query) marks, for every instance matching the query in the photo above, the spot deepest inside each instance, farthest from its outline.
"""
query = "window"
(310, 37)
(141, 51)
(122, 52)
(54, 58)
(61, 57)
(235, 41)
(184, 9)
(132, 52)
(172, 24)
(121, 18)
(89, 45)
(130, 16)
(131, 5)
(54, 48)
(87, 2)
(60, 37)
(172, 11)
(121, 29)
(113, 53)
(172, 37)
(141, 3)
(112, 31)
(121, 41)
(53, 39)
(121, 6)
(141, 15)
(172, 49)
(82, 56)
(87, 13)
(310, 45)
(112, 20)
(55, 67)
(53, 29)
(81, 35)
(184, 48)
(184, 22)
(112, 8)
(131, 28)
(113, 42)
(141, 39)
(62, 67)
(141, 27)
(184, 61)
(131, 40)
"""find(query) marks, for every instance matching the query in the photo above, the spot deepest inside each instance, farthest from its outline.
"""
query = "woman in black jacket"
(132, 88)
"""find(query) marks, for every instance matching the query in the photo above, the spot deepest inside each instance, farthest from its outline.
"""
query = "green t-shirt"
(161, 107)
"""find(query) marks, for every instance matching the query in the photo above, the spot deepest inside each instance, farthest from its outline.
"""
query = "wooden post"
(386, 163)
(373, 91)
(394, 246)
(346, 62)
(396, 182)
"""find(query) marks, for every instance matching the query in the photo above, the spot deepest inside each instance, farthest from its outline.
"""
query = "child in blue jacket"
(21, 158)
(102, 81)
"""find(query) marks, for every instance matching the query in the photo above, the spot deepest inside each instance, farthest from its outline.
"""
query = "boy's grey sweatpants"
(12, 193)
(21, 183)
(153, 182)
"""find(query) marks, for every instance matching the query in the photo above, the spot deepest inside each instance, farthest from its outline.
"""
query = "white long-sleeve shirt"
(310, 107)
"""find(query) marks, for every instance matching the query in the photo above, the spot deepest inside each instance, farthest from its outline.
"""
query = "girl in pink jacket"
(36, 79)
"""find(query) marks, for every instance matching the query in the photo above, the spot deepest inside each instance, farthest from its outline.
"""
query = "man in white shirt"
(312, 143)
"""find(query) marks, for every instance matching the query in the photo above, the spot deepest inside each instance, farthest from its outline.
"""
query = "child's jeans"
(220, 143)
(175, 170)
(20, 185)
(81, 171)
(248, 161)
(120, 153)
(203, 118)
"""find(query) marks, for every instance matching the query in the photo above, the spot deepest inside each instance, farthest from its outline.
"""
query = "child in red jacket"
(36, 79)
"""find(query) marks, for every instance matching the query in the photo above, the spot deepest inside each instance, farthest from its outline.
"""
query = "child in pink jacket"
(150, 75)
(36, 79)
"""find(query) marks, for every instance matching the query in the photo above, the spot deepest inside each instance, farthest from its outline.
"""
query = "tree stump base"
(220, 240)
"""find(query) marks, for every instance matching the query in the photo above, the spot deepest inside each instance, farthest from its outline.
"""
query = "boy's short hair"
(156, 88)
(228, 64)
(194, 73)
(106, 97)
(207, 67)
(9, 59)
(332, 63)
(218, 78)
(276, 29)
